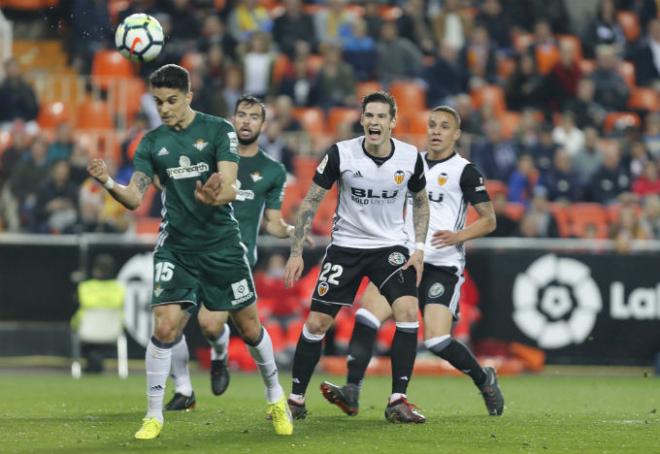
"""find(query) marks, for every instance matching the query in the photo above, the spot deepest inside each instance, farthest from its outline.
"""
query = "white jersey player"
(451, 183)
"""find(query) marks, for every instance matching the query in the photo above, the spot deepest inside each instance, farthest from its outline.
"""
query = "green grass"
(51, 413)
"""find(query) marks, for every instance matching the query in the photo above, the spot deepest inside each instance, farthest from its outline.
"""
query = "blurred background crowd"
(559, 100)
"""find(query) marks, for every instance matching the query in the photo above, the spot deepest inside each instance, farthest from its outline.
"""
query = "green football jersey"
(260, 186)
(180, 159)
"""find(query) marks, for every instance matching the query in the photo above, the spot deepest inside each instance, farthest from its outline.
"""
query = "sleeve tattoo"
(485, 210)
(421, 215)
(305, 217)
(142, 182)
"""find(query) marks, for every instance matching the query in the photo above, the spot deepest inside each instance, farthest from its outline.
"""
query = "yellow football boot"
(150, 429)
(281, 417)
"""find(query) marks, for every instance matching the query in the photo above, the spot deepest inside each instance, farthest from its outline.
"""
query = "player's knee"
(165, 330)
(210, 327)
(318, 325)
(405, 309)
(251, 333)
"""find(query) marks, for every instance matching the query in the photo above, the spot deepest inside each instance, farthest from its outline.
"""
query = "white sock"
(298, 398)
(180, 373)
(219, 345)
(157, 362)
(262, 353)
(396, 396)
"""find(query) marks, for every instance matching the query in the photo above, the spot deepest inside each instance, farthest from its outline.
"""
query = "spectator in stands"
(452, 24)
(647, 57)
(214, 34)
(274, 143)
(604, 29)
(336, 82)
(567, 135)
(610, 180)
(444, 78)
(561, 181)
(627, 228)
(650, 217)
(56, 202)
(538, 221)
(299, 85)
(62, 145)
(233, 88)
(564, 77)
(334, 24)
(544, 150)
(496, 20)
(248, 17)
(588, 160)
(90, 31)
(471, 122)
(398, 58)
(28, 174)
(99, 212)
(217, 63)
(186, 25)
(477, 57)
(522, 180)
(19, 101)
(415, 25)
(493, 155)
(373, 18)
(634, 159)
(360, 51)
(611, 90)
(18, 148)
(208, 97)
(506, 225)
(543, 37)
(648, 182)
(283, 113)
(257, 64)
(293, 26)
(651, 136)
(526, 87)
(587, 112)
(527, 133)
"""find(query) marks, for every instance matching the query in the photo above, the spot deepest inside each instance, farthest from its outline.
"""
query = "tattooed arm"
(130, 196)
(421, 224)
(310, 204)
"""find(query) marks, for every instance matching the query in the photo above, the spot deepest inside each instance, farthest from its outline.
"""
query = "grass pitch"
(51, 413)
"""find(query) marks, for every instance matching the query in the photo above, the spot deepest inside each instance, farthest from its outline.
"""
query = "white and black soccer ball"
(139, 37)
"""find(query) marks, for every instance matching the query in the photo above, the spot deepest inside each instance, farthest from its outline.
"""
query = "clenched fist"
(97, 169)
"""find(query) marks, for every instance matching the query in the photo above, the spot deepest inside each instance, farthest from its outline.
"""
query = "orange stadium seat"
(505, 67)
(108, 64)
(362, 89)
(585, 215)
(52, 114)
(492, 95)
(93, 114)
(496, 187)
(339, 115)
(410, 97)
(281, 66)
(561, 215)
(509, 122)
(145, 226)
(129, 96)
(642, 98)
(293, 195)
(311, 119)
(576, 42)
(515, 210)
(629, 23)
(546, 57)
(620, 120)
(28, 5)
(416, 124)
(587, 66)
(314, 63)
(304, 167)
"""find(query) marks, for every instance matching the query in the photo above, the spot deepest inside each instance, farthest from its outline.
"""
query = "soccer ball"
(139, 37)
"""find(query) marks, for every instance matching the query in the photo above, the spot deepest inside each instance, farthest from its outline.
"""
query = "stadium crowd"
(559, 110)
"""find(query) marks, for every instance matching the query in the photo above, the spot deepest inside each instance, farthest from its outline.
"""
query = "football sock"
(458, 355)
(158, 359)
(361, 347)
(219, 346)
(262, 353)
(308, 353)
(180, 373)
(404, 351)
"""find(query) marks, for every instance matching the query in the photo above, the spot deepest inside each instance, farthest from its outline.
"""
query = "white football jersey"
(450, 184)
(372, 192)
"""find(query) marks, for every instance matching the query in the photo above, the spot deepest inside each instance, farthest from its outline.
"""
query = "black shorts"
(441, 285)
(343, 269)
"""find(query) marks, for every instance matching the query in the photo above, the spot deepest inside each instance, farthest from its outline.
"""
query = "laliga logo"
(556, 302)
(137, 277)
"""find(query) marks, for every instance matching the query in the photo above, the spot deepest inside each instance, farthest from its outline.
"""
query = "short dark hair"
(251, 101)
(380, 96)
(171, 76)
(451, 111)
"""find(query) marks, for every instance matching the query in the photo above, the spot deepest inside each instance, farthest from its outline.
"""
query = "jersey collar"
(432, 163)
(378, 161)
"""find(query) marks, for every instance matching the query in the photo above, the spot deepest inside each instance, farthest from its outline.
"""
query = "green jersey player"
(260, 186)
(199, 257)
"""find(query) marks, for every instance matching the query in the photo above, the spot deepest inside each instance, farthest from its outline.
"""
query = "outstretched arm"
(130, 196)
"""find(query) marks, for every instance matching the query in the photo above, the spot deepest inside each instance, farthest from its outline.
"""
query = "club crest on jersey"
(200, 144)
(436, 290)
(442, 179)
(256, 176)
(157, 291)
(323, 288)
(399, 176)
(396, 259)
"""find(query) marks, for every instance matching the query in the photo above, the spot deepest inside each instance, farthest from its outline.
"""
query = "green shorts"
(221, 280)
